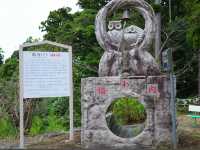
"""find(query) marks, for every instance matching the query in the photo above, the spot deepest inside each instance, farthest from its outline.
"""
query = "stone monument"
(126, 60)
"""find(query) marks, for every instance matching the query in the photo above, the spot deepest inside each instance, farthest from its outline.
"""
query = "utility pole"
(173, 100)
(199, 75)
(173, 88)
(170, 11)
(167, 65)
(158, 31)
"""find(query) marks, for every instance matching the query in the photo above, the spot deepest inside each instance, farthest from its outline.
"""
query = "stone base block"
(99, 93)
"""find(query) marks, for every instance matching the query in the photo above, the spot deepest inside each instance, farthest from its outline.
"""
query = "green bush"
(128, 111)
(49, 116)
(51, 123)
(55, 123)
(37, 126)
(7, 129)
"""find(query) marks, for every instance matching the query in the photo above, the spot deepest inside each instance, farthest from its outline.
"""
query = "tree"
(30, 39)
(92, 4)
(76, 30)
(174, 35)
(193, 32)
(1, 56)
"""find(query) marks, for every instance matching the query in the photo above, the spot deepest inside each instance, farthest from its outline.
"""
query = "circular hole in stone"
(126, 117)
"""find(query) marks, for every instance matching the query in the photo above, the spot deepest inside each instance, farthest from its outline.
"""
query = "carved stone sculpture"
(126, 50)
(126, 54)
(95, 103)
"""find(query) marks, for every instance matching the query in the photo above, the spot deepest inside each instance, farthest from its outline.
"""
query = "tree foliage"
(193, 17)
(92, 4)
(1, 56)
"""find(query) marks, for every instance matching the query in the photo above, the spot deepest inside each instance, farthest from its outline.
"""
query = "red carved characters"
(124, 84)
(101, 90)
(152, 89)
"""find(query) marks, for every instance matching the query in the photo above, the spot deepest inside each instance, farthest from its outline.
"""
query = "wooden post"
(71, 137)
(21, 100)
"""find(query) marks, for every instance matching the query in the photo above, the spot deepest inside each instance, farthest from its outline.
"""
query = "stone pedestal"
(99, 93)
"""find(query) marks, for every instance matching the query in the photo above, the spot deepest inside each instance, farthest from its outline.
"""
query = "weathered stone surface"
(99, 93)
(126, 50)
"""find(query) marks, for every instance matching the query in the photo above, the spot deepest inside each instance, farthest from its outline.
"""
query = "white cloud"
(20, 19)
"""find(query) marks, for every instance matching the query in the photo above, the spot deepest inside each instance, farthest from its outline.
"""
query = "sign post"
(71, 135)
(21, 100)
(45, 74)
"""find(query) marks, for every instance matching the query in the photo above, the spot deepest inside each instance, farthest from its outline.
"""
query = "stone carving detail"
(126, 50)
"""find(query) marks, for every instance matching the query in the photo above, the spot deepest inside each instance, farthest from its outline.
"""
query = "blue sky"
(21, 19)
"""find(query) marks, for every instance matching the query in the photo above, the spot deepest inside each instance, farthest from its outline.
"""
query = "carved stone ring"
(140, 5)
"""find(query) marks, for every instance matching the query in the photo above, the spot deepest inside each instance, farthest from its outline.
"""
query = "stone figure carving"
(126, 50)
(115, 31)
(126, 54)
(133, 35)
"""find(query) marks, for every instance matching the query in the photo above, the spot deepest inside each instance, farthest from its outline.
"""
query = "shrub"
(7, 129)
(55, 123)
(128, 111)
(37, 126)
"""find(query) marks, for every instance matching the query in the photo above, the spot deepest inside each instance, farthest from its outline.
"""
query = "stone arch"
(148, 108)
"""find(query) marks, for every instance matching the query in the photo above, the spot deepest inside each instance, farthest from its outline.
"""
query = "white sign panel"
(194, 108)
(46, 74)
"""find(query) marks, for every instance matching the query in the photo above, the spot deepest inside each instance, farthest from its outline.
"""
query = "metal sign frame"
(21, 82)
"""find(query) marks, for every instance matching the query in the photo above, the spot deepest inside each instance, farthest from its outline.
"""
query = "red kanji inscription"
(152, 89)
(124, 83)
(101, 90)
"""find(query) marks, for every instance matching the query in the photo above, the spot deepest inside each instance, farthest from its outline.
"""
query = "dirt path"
(44, 141)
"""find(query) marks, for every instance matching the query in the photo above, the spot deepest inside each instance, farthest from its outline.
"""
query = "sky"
(20, 19)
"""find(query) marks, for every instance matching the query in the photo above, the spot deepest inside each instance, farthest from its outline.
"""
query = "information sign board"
(46, 74)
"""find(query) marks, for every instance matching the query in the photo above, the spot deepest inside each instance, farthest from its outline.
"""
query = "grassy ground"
(189, 133)
(189, 138)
